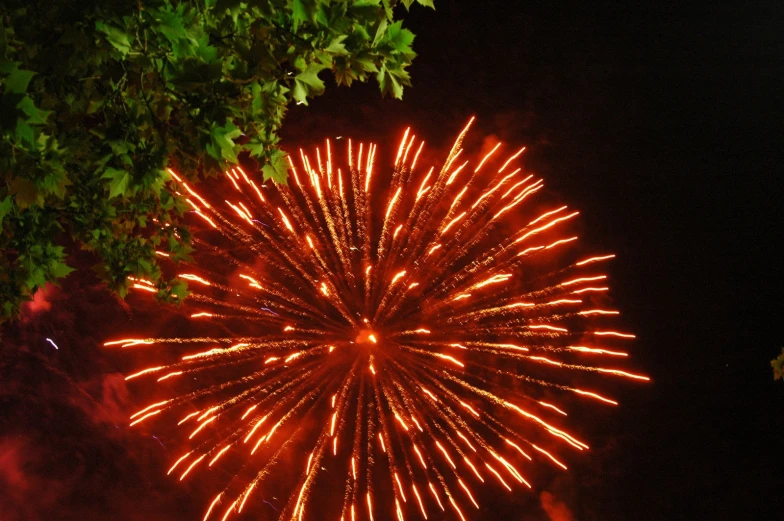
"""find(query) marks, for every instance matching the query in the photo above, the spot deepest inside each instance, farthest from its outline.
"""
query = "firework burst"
(411, 337)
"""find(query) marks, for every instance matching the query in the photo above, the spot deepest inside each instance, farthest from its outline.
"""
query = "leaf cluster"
(97, 100)
(778, 366)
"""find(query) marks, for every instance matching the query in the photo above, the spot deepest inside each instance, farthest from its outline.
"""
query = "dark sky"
(660, 123)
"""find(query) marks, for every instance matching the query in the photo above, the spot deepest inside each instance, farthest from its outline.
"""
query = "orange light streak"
(153, 406)
(421, 459)
(584, 349)
(487, 156)
(550, 428)
(398, 418)
(196, 462)
(547, 214)
(614, 333)
(454, 174)
(458, 197)
(178, 462)
(515, 156)
(473, 411)
(618, 372)
(554, 460)
(200, 427)
(551, 406)
(585, 290)
(419, 500)
(452, 222)
(544, 326)
(195, 278)
(222, 451)
(166, 377)
(255, 427)
(446, 454)
(191, 415)
(516, 446)
(416, 156)
(285, 220)
(547, 226)
(400, 486)
(397, 276)
(245, 498)
(429, 393)
(144, 371)
(594, 395)
(392, 202)
(599, 312)
(370, 506)
(510, 468)
(467, 492)
(583, 279)
(212, 505)
(466, 439)
(479, 476)
(435, 495)
(250, 409)
(498, 476)
(449, 358)
(594, 259)
(545, 360)
(402, 145)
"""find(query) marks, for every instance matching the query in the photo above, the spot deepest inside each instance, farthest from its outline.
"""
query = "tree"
(778, 366)
(98, 99)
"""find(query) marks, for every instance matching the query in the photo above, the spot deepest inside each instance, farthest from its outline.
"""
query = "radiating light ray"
(397, 310)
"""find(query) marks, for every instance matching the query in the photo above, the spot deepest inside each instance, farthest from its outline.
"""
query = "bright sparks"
(385, 326)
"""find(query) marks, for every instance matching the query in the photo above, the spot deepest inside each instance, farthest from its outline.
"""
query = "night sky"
(659, 123)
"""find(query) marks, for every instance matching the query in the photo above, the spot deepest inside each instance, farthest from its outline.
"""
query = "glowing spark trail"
(411, 331)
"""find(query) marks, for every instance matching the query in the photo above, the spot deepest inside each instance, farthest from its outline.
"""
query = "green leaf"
(426, 3)
(299, 14)
(223, 138)
(180, 289)
(277, 167)
(336, 45)
(35, 115)
(400, 39)
(118, 181)
(380, 32)
(392, 81)
(308, 83)
(61, 269)
(25, 192)
(17, 80)
(171, 27)
(5, 204)
(116, 37)
(24, 132)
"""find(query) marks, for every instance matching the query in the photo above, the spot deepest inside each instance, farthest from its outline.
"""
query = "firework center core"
(367, 337)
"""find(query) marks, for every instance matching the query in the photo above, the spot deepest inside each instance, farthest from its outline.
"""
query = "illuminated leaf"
(276, 168)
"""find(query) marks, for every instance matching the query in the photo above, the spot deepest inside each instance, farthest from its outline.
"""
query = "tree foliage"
(778, 366)
(97, 99)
